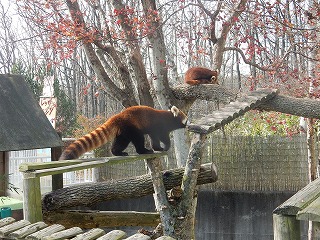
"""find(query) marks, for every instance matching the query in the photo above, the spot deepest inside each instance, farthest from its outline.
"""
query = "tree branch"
(304, 107)
(212, 92)
(100, 72)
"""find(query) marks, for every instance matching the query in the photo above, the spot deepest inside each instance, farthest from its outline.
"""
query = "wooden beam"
(56, 167)
(311, 212)
(93, 219)
(300, 200)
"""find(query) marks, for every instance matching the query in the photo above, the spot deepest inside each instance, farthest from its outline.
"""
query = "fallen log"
(87, 194)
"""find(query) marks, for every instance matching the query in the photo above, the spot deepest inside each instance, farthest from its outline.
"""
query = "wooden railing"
(32, 207)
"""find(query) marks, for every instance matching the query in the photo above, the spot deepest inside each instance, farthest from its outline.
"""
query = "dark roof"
(23, 124)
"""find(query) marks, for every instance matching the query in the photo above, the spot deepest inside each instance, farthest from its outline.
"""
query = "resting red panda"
(130, 126)
(200, 75)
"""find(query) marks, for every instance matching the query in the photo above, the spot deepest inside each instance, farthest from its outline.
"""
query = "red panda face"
(214, 77)
(180, 116)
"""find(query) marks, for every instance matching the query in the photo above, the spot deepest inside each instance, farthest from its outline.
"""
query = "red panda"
(200, 75)
(130, 126)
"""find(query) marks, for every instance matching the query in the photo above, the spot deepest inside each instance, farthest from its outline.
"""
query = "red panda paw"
(145, 151)
(159, 149)
(120, 153)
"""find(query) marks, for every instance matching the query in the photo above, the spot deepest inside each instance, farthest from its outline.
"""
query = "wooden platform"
(23, 229)
(304, 205)
(232, 111)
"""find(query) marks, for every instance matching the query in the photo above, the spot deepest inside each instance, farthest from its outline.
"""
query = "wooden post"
(286, 227)
(57, 180)
(3, 173)
(32, 209)
(315, 230)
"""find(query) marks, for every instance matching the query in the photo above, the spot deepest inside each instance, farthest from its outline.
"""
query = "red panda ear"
(175, 111)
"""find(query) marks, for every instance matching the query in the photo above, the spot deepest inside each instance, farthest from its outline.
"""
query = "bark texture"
(91, 193)
(305, 107)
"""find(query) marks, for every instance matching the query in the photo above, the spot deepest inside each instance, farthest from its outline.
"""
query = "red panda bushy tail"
(103, 134)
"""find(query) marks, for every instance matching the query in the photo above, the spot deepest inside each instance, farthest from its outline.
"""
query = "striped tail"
(103, 134)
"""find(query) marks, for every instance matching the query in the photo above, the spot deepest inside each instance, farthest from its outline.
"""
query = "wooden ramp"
(23, 229)
(231, 111)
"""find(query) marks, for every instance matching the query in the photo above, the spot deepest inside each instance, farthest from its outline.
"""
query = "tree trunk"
(311, 141)
(185, 211)
(91, 193)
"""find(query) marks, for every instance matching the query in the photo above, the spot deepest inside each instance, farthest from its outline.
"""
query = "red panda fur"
(200, 75)
(130, 126)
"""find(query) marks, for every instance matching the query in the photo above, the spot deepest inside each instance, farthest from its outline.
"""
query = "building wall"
(221, 215)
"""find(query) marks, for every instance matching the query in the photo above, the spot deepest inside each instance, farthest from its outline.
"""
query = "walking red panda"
(130, 126)
(200, 75)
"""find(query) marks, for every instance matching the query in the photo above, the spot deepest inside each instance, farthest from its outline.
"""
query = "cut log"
(45, 232)
(65, 234)
(6, 221)
(27, 230)
(93, 219)
(90, 193)
(113, 235)
(92, 234)
(6, 230)
(138, 236)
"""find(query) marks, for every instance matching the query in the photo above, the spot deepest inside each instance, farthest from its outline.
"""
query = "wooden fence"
(244, 163)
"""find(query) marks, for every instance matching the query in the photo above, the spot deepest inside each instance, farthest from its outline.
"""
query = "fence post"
(57, 180)
(32, 209)
(286, 227)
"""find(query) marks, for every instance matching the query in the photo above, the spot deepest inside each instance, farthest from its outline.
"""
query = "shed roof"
(23, 124)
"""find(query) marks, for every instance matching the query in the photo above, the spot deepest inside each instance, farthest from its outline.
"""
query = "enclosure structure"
(23, 124)
(190, 178)
(303, 206)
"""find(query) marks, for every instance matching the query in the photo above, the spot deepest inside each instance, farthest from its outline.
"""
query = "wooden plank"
(114, 235)
(93, 233)
(228, 113)
(50, 168)
(300, 200)
(92, 219)
(46, 232)
(32, 166)
(6, 230)
(27, 230)
(65, 234)
(311, 212)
